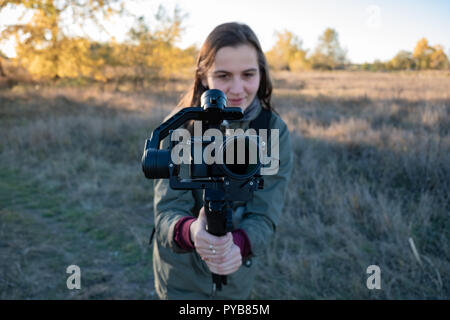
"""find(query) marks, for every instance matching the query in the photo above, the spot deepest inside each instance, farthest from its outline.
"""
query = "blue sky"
(369, 30)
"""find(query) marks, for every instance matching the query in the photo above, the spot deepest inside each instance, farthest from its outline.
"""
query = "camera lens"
(240, 156)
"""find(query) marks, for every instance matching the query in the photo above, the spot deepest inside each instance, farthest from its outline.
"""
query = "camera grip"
(218, 223)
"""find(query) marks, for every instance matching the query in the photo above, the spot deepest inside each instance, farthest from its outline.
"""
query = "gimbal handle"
(219, 222)
(192, 113)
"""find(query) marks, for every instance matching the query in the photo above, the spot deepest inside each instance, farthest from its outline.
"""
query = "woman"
(185, 254)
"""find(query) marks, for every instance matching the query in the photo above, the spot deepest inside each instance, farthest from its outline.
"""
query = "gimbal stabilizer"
(222, 182)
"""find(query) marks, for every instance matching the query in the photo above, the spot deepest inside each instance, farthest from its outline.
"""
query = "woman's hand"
(220, 253)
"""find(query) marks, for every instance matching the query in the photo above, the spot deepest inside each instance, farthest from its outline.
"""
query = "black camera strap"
(262, 121)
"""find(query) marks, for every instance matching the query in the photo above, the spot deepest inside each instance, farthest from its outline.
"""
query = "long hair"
(230, 34)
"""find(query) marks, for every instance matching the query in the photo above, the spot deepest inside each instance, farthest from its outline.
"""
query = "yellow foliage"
(154, 54)
(299, 62)
(438, 59)
(428, 57)
(46, 51)
(422, 54)
(402, 61)
(287, 52)
(68, 58)
(43, 48)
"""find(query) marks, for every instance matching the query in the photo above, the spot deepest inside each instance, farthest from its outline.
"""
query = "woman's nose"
(237, 86)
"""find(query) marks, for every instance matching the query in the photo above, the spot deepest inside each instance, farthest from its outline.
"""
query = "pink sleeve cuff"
(182, 237)
(240, 239)
(182, 233)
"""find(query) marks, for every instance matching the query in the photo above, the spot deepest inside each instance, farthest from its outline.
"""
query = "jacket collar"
(250, 113)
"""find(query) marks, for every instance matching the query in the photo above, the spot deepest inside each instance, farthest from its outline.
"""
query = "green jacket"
(183, 275)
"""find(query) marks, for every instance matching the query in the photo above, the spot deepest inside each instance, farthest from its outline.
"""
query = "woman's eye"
(248, 75)
(222, 76)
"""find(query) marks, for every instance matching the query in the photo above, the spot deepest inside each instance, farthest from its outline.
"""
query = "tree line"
(288, 54)
(45, 49)
(423, 57)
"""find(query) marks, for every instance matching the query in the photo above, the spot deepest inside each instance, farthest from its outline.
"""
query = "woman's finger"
(206, 241)
(219, 254)
(230, 264)
(224, 269)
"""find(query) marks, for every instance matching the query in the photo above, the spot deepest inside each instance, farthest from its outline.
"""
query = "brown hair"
(230, 34)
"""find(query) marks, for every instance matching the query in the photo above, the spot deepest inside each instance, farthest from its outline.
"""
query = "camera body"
(228, 163)
(235, 155)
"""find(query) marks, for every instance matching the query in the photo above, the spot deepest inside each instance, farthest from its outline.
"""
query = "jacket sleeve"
(169, 207)
(263, 211)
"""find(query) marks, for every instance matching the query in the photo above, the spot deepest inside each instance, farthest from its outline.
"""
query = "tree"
(428, 57)
(378, 65)
(287, 53)
(299, 61)
(154, 52)
(422, 54)
(366, 66)
(328, 53)
(44, 48)
(402, 61)
(438, 59)
(2, 71)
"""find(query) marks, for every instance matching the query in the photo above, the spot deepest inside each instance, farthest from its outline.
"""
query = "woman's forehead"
(235, 59)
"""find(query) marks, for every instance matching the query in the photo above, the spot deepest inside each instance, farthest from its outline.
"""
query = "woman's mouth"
(236, 102)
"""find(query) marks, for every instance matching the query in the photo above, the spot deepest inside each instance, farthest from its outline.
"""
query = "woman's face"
(235, 71)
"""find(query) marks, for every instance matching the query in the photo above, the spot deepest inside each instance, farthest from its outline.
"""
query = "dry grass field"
(371, 177)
